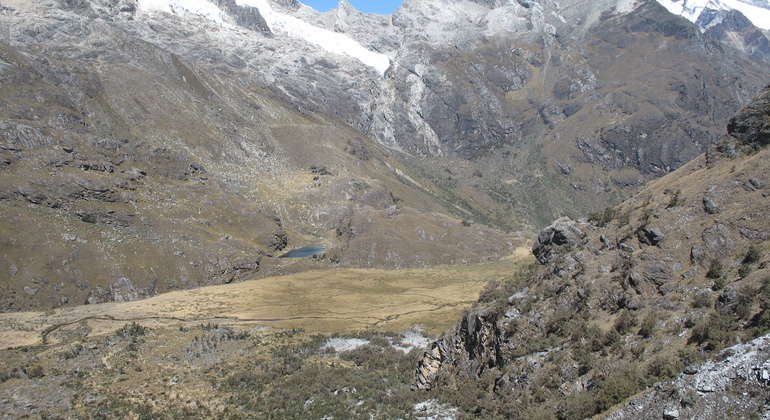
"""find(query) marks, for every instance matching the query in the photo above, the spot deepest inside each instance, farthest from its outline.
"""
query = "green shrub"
(578, 406)
(745, 302)
(132, 330)
(616, 388)
(648, 325)
(753, 255)
(716, 332)
(703, 300)
(625, 322)
(745, 270)
(602, 218)
(761, 321)
(716, 269)
(677, 199)
(662, 367)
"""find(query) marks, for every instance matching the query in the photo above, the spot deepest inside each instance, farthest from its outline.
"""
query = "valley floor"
(320, 301)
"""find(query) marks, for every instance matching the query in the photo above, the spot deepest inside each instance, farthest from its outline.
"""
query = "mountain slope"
(129, 170)
(647, 290)
(582, 103)
(182, 143)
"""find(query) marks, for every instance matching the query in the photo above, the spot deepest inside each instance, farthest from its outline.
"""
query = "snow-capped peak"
(330, 41)
(757, 11)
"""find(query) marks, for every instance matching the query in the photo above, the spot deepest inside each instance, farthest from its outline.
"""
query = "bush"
(616, 388)
(703, 300)
(689, 355)
(744, 271)
(602, 218)
(625, 322)
(677, 199)
(132, 330)
(661, 367)
(753, 255)
(745, 302)
(579, 406)
(648, 325)
(716, 269)
(716, 332)
(761, 321)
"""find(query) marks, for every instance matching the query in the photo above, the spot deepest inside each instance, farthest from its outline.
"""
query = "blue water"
(305, 251)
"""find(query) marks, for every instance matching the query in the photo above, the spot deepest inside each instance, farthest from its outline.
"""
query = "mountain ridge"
(673, 276)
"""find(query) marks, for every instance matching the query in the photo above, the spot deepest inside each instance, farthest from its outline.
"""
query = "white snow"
(411, 340)
(691, 9)
(198, 7)
(340, 344)
(333, 42)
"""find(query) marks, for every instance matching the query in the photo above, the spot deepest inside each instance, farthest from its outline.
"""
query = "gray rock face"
(473, 347)
(719, 240)
(705, 392)
(563, 231)
(651, 235)
(750, 125)
(246, 16)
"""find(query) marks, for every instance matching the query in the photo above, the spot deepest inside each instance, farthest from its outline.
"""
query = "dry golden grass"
(322, 301)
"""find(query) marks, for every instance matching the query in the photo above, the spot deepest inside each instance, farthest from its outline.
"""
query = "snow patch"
(412, 339)
(198, 7)
(330, 41)
(434, 410)
(340, 344)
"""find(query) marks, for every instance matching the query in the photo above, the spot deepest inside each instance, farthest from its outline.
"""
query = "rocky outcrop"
(246, 16)
(473, 348)
(751, 125)
(564, 231)
(635, 313)
(710, 390)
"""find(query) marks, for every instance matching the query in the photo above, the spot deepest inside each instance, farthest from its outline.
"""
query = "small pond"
(305, 251)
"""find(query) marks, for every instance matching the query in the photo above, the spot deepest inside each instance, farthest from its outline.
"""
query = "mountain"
(656, 308)
(129, 169)
(741, 24)
(155, 145)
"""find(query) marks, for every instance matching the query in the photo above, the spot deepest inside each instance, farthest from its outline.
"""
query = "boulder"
(710, 206)
(563, 231)
(719, 240)
(651, 236)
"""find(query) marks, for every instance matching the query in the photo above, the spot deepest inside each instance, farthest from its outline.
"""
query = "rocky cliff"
(630, 299)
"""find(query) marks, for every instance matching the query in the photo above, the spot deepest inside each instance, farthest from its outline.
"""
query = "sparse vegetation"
(716, 270)
(677, 198)
(602, 218)
(753, 255)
